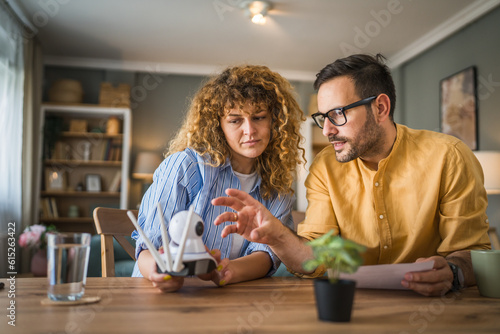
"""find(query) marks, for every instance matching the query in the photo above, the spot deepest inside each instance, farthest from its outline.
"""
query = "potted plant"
(334, 296)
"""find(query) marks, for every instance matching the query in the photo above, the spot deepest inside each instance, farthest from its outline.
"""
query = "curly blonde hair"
(235, 86)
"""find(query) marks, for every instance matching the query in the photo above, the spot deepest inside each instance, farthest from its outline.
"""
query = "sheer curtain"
(11, 123)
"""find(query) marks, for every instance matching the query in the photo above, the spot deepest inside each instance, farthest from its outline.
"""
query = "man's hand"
(435, 282)
(253, 221)
(256, 224)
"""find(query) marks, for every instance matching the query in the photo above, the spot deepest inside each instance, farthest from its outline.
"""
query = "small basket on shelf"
(114, 96)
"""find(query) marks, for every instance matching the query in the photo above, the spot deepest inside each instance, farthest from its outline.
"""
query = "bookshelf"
(85, 163)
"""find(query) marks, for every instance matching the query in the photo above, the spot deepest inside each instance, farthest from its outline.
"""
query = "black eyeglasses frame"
(341, 110)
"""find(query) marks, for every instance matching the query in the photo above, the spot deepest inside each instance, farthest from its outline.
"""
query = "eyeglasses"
(337, 115)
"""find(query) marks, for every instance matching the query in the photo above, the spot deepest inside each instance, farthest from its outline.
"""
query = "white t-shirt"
(247, 182)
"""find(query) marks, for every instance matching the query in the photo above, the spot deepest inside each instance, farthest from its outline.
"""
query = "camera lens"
(199, 228)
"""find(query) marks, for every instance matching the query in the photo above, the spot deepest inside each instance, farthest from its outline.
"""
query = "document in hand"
(385, 276)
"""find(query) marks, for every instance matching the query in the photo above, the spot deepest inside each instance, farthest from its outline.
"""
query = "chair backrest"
(111, 223)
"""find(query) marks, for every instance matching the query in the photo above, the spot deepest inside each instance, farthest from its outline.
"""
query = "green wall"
(417, 82)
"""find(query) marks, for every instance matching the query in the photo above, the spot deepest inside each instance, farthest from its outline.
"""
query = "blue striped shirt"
(184, 179)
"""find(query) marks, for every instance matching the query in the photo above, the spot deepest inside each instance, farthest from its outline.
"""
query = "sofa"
(124, 265)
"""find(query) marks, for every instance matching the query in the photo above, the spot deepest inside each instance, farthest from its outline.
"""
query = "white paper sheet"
(385, 276)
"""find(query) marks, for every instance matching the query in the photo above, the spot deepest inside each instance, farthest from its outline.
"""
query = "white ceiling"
(203, 36)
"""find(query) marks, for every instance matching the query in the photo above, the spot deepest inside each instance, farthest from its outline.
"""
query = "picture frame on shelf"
(55, 179)
(93, 182)
(458, 106)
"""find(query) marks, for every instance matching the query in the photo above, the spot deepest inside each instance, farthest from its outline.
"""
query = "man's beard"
(368, 142)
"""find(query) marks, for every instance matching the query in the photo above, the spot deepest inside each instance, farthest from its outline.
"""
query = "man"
(407, 195)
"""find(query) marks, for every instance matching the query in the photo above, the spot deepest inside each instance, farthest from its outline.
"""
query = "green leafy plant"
(336, 254)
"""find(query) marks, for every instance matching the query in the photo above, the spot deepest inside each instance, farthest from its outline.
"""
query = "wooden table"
(270, 305)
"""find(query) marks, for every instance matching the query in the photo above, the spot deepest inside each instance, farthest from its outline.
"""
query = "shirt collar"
(400, 130)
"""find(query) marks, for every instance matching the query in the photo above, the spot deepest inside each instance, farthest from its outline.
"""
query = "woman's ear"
(382, 108)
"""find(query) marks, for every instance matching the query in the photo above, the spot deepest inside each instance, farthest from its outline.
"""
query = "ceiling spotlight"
(256, 10)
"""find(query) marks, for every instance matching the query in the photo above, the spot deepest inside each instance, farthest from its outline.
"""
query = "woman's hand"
(249, 267)
(164, 282)
(222, 275)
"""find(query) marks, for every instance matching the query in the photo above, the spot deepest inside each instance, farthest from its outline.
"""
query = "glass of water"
(67, 261)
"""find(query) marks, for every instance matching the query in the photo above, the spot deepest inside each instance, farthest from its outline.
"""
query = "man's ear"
(382, 108)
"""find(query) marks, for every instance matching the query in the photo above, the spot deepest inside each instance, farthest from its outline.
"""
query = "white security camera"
(195, 259)
(185, 244)
(195, 231)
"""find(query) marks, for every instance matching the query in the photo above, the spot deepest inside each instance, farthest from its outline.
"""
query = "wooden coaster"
(81, 301)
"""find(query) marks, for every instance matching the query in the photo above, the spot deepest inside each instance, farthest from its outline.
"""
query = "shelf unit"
(74, 157)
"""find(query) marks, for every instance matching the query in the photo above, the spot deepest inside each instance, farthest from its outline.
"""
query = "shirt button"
(381, 216)
(385, 247)
(376, 184)
(487, 221)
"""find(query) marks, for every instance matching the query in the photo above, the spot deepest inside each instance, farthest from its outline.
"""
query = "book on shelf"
(114, 186)
(102, 151)
(49, 208)
(45, 208)
(59, 152)
(108, 149)
(53, 206)
(114, 153)
(111, 150)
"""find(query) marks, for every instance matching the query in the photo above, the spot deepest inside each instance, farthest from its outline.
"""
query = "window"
(11, 119)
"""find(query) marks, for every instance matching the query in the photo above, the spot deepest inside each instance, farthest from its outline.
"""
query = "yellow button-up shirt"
(426, 198)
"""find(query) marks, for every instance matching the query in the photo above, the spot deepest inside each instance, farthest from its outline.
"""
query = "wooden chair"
(111, 223)
(495, 242)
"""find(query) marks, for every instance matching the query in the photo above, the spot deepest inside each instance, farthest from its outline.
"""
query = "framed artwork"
(55, 179)
(93, 182)
(459, 106)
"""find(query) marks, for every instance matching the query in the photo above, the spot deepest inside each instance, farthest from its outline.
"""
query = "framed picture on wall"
(459, 106)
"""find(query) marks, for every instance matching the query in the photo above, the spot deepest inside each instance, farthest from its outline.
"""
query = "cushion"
(124, 264)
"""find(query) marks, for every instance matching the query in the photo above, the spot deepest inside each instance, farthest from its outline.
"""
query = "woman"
(241, 131)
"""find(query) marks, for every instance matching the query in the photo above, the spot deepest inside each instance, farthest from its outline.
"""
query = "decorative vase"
(334, 300)
(39, 263)
(113, 126)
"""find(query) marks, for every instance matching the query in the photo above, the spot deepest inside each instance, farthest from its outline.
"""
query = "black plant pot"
(334, 300)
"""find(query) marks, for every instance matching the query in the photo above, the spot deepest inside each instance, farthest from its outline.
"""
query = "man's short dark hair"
(370, 75)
